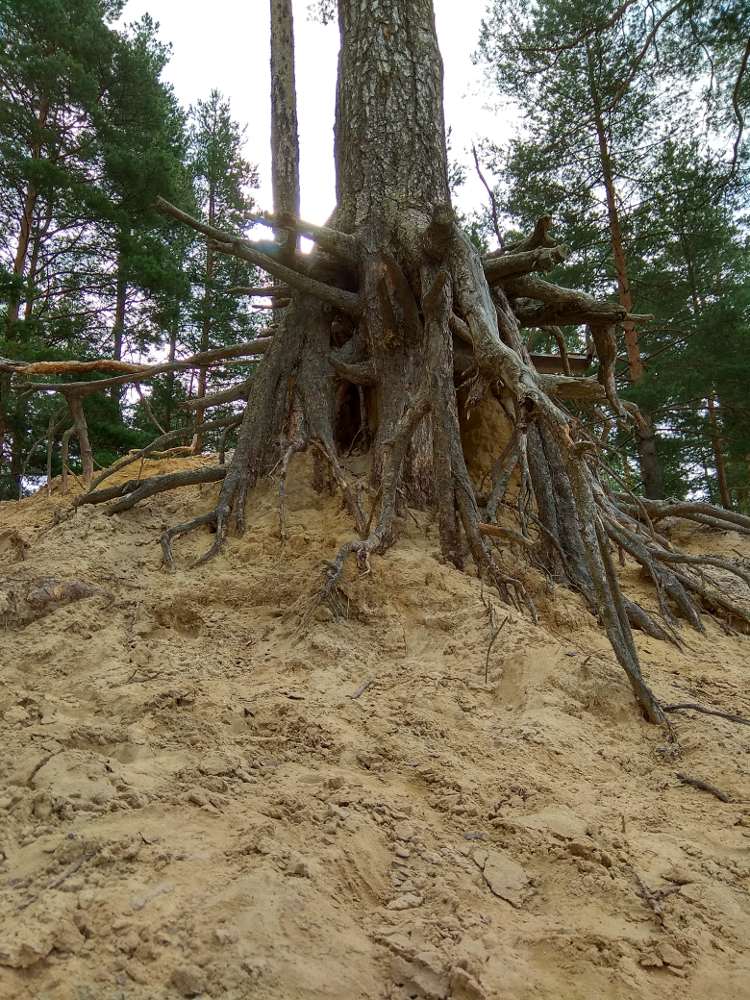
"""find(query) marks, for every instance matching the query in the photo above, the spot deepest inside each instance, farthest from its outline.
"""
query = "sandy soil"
(200, 797)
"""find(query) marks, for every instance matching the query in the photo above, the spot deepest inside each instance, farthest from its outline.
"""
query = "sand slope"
(193, 804)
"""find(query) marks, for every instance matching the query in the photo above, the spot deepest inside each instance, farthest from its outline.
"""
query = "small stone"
(198, 796)
(670, 955)
(404, 831)
(227, 935)
(269, 846)
(650, 961)
(505, 877)
(431, 858)
(16, 714)
(679, 875)
(409, 901)
(480, 858)
(216, 764)
(68, 938)
(402, 852)
(189, 980)
(424, 976)
(464, 986)
(137, 972)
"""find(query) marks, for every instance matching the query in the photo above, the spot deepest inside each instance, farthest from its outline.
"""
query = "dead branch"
(560, 306)
(493, 199)
(203, 359)
(266, 292)
(240, 247)
(682, 557)
(360, 690)
(510, 265)
(230, 395)
(341, 245)
(180, 432)
(69, 367)
(705, 786)
(739, 719)
(498, 531)
(703, 513)
(538, 238)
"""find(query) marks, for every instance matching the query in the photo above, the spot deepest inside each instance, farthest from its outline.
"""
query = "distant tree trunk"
(28, 311)
(206, 326)
(721, 469)
(121, 294)
(646, 435)
(19, 261)
(171, 375)
(27, 222)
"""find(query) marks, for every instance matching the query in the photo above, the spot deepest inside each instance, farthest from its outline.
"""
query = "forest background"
(630, 133)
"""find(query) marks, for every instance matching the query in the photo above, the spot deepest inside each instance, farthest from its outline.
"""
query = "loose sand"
(192, 802)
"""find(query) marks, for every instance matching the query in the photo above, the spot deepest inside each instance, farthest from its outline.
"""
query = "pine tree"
(395, 326)
(603, 87)
(88, 135)
(222, 181)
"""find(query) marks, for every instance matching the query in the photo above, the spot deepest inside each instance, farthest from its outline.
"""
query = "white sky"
(225, 45)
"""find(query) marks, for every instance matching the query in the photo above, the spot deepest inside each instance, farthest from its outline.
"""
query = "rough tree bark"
(284, 133)
(393, 322)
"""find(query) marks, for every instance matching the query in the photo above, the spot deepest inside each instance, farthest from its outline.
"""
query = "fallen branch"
(69, 367)
(498, 531)
(58, 882)
(360, 690)
(201, 360)
(152, 449)
(496, 630)
(741, 720)
(705, 786)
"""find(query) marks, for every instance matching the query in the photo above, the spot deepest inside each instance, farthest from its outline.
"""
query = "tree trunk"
(721, 469)
(171, 375)
(392, 306)
(284, 133)
(19, 261)
(645, 433)
(206, 327)
(118, 329)
(27, 221)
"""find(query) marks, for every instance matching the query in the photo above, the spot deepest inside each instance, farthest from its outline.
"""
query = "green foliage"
(639, 99)
(89, 136)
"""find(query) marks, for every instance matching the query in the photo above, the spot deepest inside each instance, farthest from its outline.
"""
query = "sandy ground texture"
(207, 791)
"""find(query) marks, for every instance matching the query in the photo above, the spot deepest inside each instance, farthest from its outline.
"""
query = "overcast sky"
(225, 45)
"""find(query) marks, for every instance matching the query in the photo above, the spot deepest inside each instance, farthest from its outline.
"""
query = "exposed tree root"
(365, 354)
(135, 490)
(739, 719)
(155, 446)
